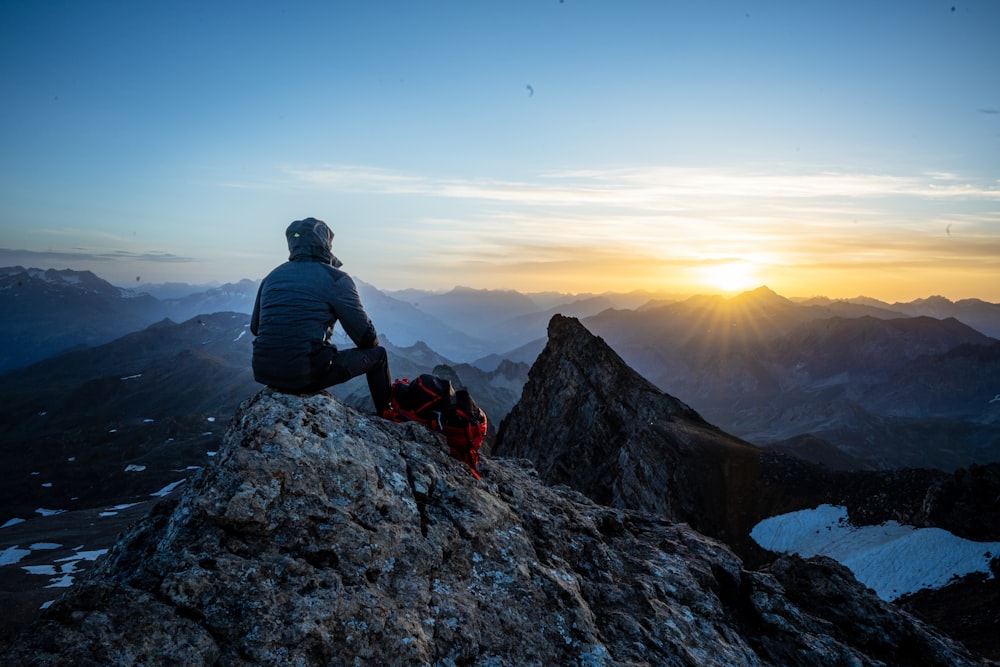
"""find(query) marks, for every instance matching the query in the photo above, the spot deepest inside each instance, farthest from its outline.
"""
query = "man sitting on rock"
(297, 305)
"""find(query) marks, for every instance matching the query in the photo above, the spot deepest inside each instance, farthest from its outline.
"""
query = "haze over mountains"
(137, 400)
(852, 384)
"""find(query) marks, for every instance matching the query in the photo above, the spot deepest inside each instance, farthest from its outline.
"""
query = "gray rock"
(586, 419)
(322, 536)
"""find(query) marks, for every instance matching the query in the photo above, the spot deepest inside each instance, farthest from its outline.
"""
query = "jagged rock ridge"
(322, 536)
(588, 420)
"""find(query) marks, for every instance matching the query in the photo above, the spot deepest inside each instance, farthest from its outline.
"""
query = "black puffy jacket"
(298, 304)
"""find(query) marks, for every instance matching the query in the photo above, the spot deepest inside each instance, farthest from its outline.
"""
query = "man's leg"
(373, 363)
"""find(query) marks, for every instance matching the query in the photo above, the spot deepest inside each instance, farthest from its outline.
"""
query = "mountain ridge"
(321, 536)
(722, 503)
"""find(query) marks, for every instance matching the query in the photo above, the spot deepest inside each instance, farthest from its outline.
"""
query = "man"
(297, 305)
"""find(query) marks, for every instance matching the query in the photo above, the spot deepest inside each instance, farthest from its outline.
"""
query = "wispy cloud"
(655, 225)
(644, 186)
(81, 255)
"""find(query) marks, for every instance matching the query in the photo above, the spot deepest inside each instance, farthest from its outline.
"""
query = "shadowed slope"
(588, 420)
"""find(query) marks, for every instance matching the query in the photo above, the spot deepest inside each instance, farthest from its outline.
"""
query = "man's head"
(310, 239)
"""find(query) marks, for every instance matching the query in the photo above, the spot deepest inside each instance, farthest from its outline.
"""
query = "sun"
(732, 276)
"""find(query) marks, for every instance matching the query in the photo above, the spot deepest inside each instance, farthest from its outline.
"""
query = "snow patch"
(42, 546)
(12, 522)
(167, 489)
(12, 555)
(131, 377)
(62, 577)
(132, 467)
(242, 333)
(891, 559)
(64, 581)
(47, 512)
(124, 506)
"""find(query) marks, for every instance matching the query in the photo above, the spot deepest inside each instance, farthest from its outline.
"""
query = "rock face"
(320, 536)
(589, 421)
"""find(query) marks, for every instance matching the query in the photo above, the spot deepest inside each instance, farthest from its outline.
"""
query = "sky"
(819, 148)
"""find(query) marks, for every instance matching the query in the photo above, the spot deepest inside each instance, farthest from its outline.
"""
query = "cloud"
(670, 187)
(80, 256)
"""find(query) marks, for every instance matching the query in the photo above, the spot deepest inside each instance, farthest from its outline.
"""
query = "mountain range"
(151, 399)
(618, 534)
(857, 384)
(137, 401)
(50, 311)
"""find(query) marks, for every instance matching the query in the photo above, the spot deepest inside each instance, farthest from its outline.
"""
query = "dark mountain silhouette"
(978, 314)
(46, 312)
(770, 371)
(850, 308)
(585, 419)
(320, 535)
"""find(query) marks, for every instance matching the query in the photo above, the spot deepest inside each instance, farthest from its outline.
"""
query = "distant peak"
(461, 289)
(762, 291)
(935, 300)
(762, 294)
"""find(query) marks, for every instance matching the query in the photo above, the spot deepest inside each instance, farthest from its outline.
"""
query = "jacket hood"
(311, 240)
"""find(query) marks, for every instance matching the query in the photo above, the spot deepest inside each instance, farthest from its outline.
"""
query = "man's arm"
(352, 315)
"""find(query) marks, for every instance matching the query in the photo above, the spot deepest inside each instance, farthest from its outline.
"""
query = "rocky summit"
(588, 420)
(323, 536)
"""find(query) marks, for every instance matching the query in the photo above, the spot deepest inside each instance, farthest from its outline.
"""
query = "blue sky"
(836, 148)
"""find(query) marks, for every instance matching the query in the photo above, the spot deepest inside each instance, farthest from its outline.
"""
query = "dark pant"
(346, 364)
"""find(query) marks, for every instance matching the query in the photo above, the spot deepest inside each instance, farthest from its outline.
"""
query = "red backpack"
(433, 402)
